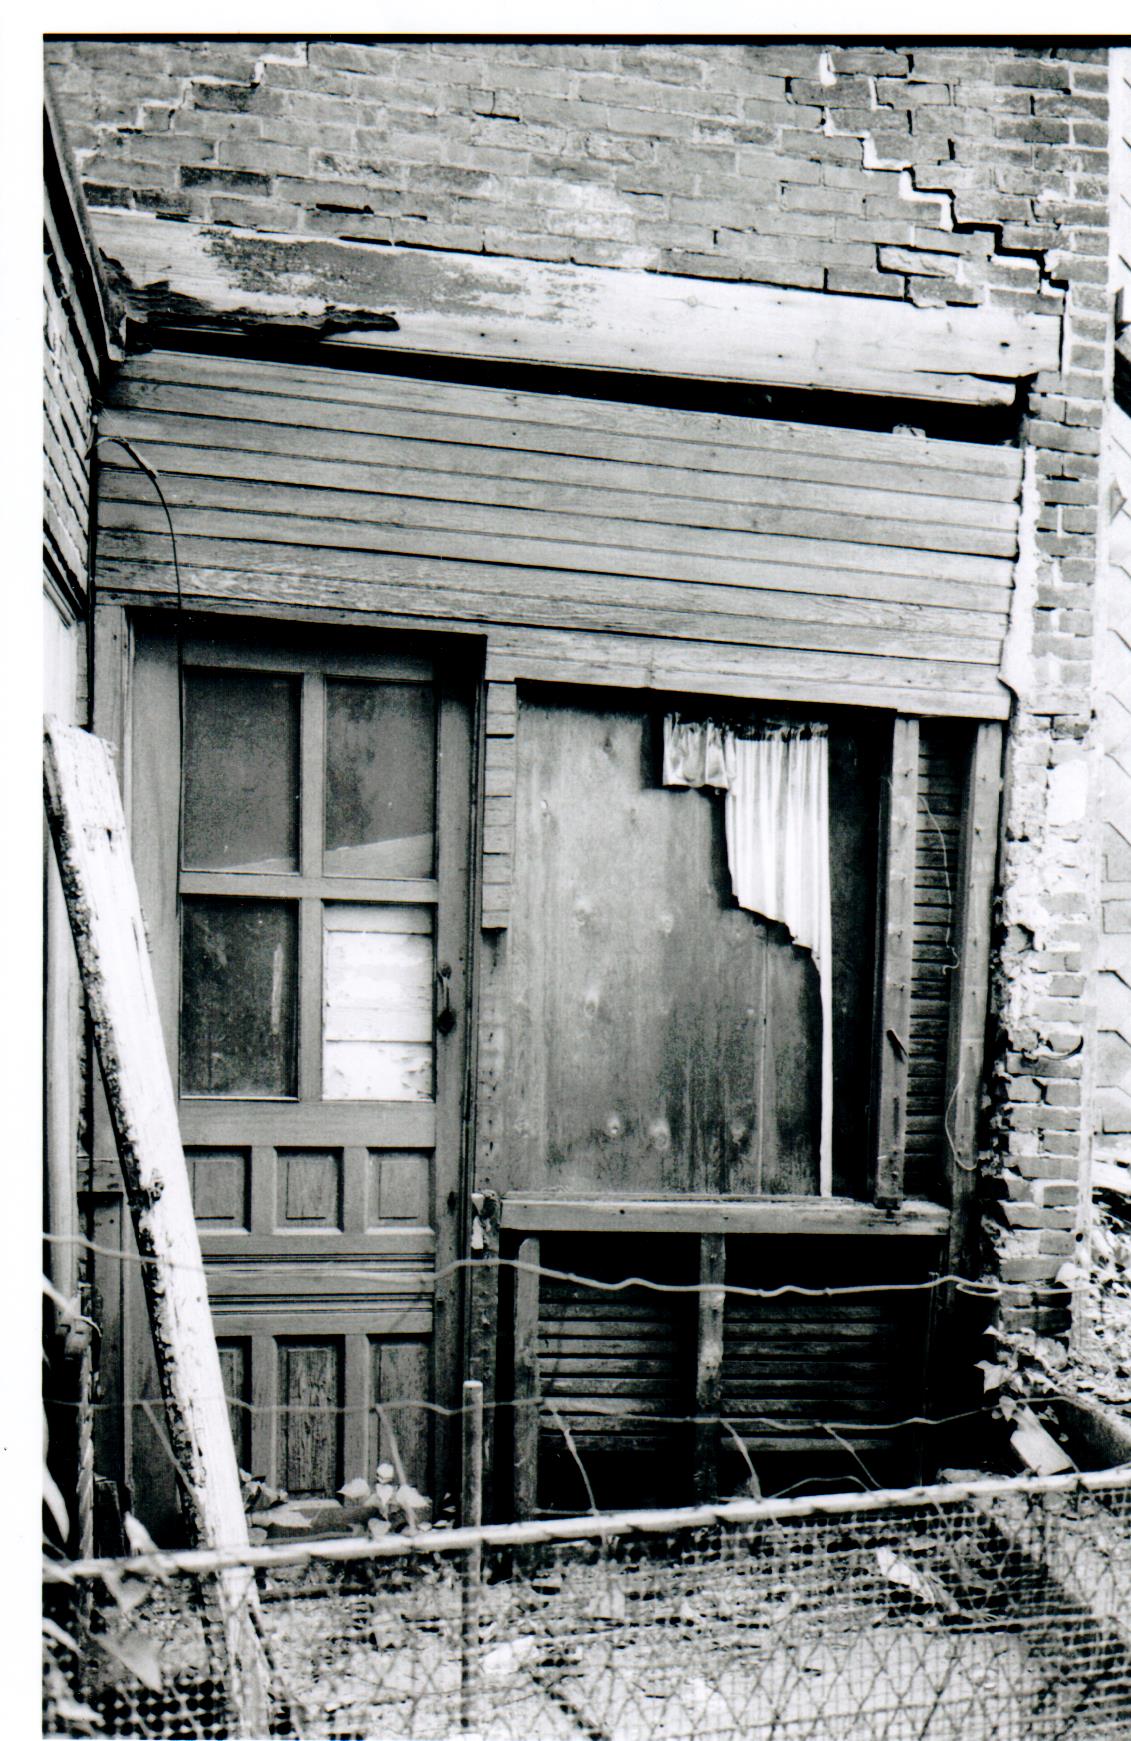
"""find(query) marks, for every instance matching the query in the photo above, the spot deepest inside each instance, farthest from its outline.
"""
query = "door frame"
(457, 661)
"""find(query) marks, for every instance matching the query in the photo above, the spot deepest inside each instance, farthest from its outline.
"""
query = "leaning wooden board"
(84, 808)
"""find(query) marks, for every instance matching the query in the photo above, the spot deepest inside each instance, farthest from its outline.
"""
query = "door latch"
(445, 1014)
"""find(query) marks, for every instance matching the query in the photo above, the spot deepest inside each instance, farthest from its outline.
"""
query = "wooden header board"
(588, 541)
(434, 302)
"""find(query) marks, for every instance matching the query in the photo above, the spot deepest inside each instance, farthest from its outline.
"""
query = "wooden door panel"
(323, 881)
(666, 1041)
(671, 1034)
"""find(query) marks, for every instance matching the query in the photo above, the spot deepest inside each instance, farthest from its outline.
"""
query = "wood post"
(957, 1318)
(471, 1517)
(893, 1011)
(977, 868)
(85, 812)
(525, 1390)
(709, 1363)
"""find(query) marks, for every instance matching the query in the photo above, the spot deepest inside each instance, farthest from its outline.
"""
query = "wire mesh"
(988, 1611)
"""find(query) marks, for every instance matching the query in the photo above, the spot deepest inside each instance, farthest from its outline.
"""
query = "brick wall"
(938, 175)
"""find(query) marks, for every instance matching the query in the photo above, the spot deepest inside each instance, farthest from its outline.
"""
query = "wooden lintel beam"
(893, 1025)
(452, 304)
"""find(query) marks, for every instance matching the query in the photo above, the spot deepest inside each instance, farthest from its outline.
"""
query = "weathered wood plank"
(498, 837)
(966, 1044)
(942, 748)
(526, 1377)
(593, 317)
(690, 453)
(476, 507)
(711, 668)
(802, 1215)
(894, 966)
(709, 1363)
(645, 1001)
(404, 1124)
(166, 370)
(268, 512)
(85, 812)
(452, 1165)
(625, 661)
(742, 604)
(562, 485)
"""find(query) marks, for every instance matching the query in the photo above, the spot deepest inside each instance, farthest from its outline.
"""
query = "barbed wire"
(988, 1287)
(594, 1409)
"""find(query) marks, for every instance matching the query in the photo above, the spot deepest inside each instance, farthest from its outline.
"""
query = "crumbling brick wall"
(940, 175)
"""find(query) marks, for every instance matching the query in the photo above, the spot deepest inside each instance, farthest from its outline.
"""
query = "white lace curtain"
(776, 780)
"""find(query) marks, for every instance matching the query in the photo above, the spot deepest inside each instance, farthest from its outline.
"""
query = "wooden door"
(304, 875)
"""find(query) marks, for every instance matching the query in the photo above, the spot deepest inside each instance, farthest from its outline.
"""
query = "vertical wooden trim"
(310, 998)
(471, 1568)
(499, 804)
(976, 874)
(454, 764)
(483, 1320)
(709, 1362)
(312, 762)
(355, 1190)
(358, 1360)
(264, 1189)
(110, 712)
(112, 653)
(264, 1401)
(526, 1395)
(893, 1025)
(312, 759)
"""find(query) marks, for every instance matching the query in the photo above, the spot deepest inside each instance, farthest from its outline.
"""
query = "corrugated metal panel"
(606, 542)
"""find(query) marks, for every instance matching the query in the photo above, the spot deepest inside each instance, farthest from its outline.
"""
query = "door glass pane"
(238, 1001)
(377, 1002)
(380, 779)
(241, 771)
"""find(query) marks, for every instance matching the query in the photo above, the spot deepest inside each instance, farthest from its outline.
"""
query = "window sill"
(803, 1215)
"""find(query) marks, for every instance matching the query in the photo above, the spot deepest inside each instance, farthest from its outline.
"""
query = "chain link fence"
(977, 1610)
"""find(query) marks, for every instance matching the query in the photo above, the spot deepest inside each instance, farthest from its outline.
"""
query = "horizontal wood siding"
(591, 540)
(942, 755)
(616, 1371)
(807, 1373)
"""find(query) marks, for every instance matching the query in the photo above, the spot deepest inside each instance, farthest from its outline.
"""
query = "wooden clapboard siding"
(942, 752)
(796, 1366)
(616, 1370)
(590, 540)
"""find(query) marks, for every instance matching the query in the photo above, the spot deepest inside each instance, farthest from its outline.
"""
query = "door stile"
(453, 786)
(310, 998)
(263, 1190)
(264, 1405)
